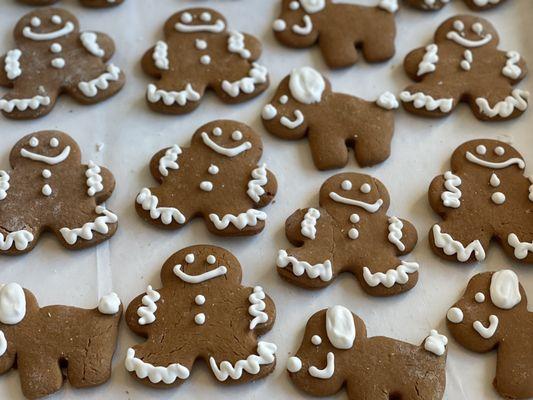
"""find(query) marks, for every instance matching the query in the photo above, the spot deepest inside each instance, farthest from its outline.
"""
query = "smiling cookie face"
(468, 32)
(295, 25)
(43, 26)
(195, 20)
(487, 155)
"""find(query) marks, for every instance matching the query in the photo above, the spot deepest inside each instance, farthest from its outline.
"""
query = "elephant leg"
(338, 52)
(328, 151)
(40, 374)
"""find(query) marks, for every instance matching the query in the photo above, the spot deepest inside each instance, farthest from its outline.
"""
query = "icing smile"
(214, 273)
(46, 159)
(306, 28)
(467, 42)
(228, 152)
(67, 28)
(327, 372)
(487, 333)
(295, 123)
(496, 165)
(370, 207)
(217, 27)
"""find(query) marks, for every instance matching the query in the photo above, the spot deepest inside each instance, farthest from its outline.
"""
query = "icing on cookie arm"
(262, 187)
(107, 182)
(412, 61)
(252, 44)
(148, 63)
(262, 311)
(435, 192)
(98, 44)
(514, 66)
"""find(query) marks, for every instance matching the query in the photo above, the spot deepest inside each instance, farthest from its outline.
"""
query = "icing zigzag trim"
(450, 246)
(149, 202)
(154, 373)
(393, 276)
(248, 218)
(86, 231)
(324, 270)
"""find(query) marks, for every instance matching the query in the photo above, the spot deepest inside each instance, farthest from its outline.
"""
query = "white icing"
(56, 48)
(217, 27)
(109, 304)
(35, 21)
(12, 304)
(388, 5)
(206, 186)
(316, 340)
(213, 169)
(256, 75)
(481, 149)
(236, 135)
(34, 142)
(308, 224)
(324, 270)
(148, 201)
(56, 19)
(199, 300)
(353, 233)
(205, 16)
(294, 5)
(387, 101)
(498, 198)
(46, 159)
(284, 99)
(505, 289)
(466, 62)
(517, 100)
(67, 28)
(236, 44)
(99, 225)
(255, 185)
(365, 188)
(240, 221)
(186, 18)
(146, 312)
(451, 197)
(12, 64)
(294, 364)
(155, 374)
(4, 184)
(346, 185)
(46, 190)
(520, 248)
(269, 112)
(494, 180)
(450, 246)
(211, 274)
(495, 165)
(200, 44)
(340, 327)
(307, 27)
(20, 238)
(295, 123)
(479, 297)
(487, 332)
(199, 319)
(211, 259)
(511, 69)
(189, 258)
(279, 25)
(463, 41)
(88, 39)
(306, 85)
(327, 372)
(370, 207)
(455, 315)
(169, 160)
(257, 307)
(421, 100)
(431, 57)
(499, 151)
(94, 179)
(32, 103)
(483, 3)
(154, 95)
(90, 88)
(399, 275)
(436, 343)
(54, 142)
(3, 343)
(313, 6)
(395, 232)
(205, 59)
(354, 218)
(160, 55)
(225, 151)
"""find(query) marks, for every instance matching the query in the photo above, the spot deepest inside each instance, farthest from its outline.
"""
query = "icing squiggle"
(255, 185)
(436, 343)
(155, 374)
(94, 179)
(88, 39)
(23, 104)
(12, 64)
(169, 160)
(511, 69)
(520, 248)
(388, 5)
(395, 233)
(21, 239)
(154, 95)
(487, 333)
(393, 276)
(86, 231)
(326, 372)
(421, 100)
(148, 201)
(308, 224)
(257, 75)
(160, 55)
(4, 184)
(265, 355)
(293, 123)
(387, 101)
(248, 218)
(450, 246)
(257, 307)
(518, 100)
(451, 197)
(429, 60)
(90, 88)
(147, 311)
(307, 27)
(236, 44)
(324, 270)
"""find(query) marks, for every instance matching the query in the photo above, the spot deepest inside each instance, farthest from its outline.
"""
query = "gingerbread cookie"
(202, 311)
(52, 57)
(433, 5)
(217, 177)
(493, 315)
(339, 29)
(484, 196)
(45, 344)
(336, 352)
(350, 232)
(305, 105)
(48, 189)
(86, 3)
(465, 65)
(199, 52)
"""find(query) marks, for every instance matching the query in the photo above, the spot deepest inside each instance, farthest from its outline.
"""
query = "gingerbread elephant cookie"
(52, 57)
(218, 178)
(464, 65)
(493, 315)
(49, 189)
(86, 3)
(201, 312)
(433, 5)
(200, 52)
(350, 232)
(45, 344)
(336, 352)
(339, 29)
(305, 105)
(484, 196)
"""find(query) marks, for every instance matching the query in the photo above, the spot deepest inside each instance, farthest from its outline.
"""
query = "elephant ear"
(505, 289)
(340, 327)
(313, 6)
(306, 85)
(12, 304)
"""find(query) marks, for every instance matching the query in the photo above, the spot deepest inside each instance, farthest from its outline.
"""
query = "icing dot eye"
(217, 131)
(458, 25)
(237, 135)
(213, 169)
(499, 151)
(189, 258)
(480, 297)
(365, 188)
(56, 19)
(211, 259)
(482, 150)
(477, 28)
(34, 142)
(316, 340)
(294, 5)
(279, 25)
(186, 18)
(283, 99)
(346, 185)
(54, 142)
(354, 218)
(55, 48)
(35, 21)
(205, 16)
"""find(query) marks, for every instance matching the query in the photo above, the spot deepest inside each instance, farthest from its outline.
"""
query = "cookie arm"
(253, 45)
(132, 318)
(270, 188)
(148, 64)
(409, 237)
(108, 180)
(98, 44)
(4, 80)
(436, 188)
(411, 63)
(262, 311)
(514, 67)
(7, 360)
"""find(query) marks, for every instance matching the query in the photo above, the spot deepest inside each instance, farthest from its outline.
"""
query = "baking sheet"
(130, 134)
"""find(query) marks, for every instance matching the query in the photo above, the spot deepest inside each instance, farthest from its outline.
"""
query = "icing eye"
(54, 142)
(294, 5)
(211, 259)
(213, 169)
(189, 258)
(480, 297)
(481, 150)
(283, 99)
(56, 19)
(346, 185)
(477, 28)
(354, 218)
(56, 48)
(237, 135)
(499, 151)
(458, 25)
(279, 25)
(316, 340)
(217, 131)
(205, 16)
(365, 188)
(35, 22)
(186, 18)
(34, 142)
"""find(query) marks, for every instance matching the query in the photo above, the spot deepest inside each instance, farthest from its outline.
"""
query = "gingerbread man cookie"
(493, 315)
(305, 105)
(199, 52)
(47, 343)
(52, 57)
(49, 189)
(217, 177)
(433, 5)
(484, 196)
(86, 3)
(339, 29)
(465, 65)
(350, 232)
(336, 352)
(202, 311)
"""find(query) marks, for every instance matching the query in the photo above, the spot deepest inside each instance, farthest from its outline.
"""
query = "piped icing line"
(28, 33)
(395, 232)
(146, 312)
(324, 270)
(256, 75)
(429, 60)
(462, 41)
(211, 274)
(217, 27)
(422, 100)
(169, 160)
(154, 95)
(90, 88)
(248, 218)
(99, 225)
(155, 374)
(370, 207)
(255, 185)
(487, 332)
(20, 238)
(304, 29)
(450, 246)
(308, 224)
(149, 202)
(89, 41)
(32, 103)
(4, 184)
(265, 356)
(3, 343)
(46, 159)
(257, 307)
(387, 101)
(160, 55)
(518, 100)
(236, 44)
(521, 249)
(327, 372)
(495, 165)
(293, 123)
(436, 343)
(511, 68)
(225, 151)
(399, 275)
(94, 179)
(12, 64)
(451, 197)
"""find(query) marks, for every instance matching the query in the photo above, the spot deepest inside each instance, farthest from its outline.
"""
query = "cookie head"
(295, 26)
(46, 25)
(486, 154)
(468, 32)
(195, 20)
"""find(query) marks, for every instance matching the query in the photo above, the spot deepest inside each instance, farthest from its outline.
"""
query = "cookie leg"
(99, 86)
(328, 152)
(430, 101)
(338, 52)
(464, 242)
(18, 241)
(160, 207)
(40, 374)
(174, 97)
(235, 221)
(243, 84)
(498, 103)
(518, 242)
(28, 103)
(310, 266)
(373, 143)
